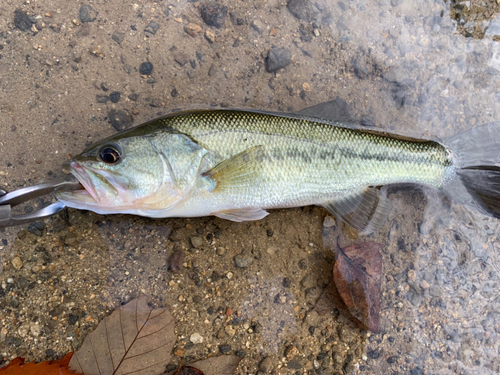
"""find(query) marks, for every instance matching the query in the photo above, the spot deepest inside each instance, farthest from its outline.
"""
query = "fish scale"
(307, 162)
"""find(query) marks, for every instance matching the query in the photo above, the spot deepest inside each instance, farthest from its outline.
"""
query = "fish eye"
(110, 155)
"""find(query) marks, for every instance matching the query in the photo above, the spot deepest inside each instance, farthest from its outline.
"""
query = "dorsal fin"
(334, 110)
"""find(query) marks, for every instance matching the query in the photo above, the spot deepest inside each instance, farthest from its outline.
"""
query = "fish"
(238, 164)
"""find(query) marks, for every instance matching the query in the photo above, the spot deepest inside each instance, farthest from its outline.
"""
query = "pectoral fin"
(238, 172)
(244, 214)
(365, 211)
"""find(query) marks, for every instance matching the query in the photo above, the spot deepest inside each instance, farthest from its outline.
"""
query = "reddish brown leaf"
(59, 367)
(357, 275)
(134, 339)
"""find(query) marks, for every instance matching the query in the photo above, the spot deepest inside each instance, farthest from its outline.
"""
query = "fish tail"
(474, 178)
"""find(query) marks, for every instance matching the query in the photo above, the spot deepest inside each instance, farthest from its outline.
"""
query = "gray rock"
(212, 71)
(278, 58)
(266, 365)
(243, 260)
(22, 21)
(295, 365)
(152, 27)
(197, 242)
(213, 14)
(175, 262)
(119, 119)
(118, 37)
(87, 13)
(146, 68)
(180, 59)
(221, 251)
(300, 9)
(36, 228)
(328, 222)
(258, 26)
(115, 96)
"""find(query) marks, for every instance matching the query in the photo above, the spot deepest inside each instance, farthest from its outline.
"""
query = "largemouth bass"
(238, 164)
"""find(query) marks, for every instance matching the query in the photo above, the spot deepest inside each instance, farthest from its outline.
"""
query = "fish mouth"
(86, 196)
(83, 177)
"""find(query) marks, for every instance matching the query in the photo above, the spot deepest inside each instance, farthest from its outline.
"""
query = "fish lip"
(83, 177)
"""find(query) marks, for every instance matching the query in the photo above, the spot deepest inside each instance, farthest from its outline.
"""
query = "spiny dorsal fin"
(334, 110)
(366, 211)
(242, 214)
(237, 172)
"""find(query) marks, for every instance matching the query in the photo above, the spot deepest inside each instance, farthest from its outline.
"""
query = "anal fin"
(365, 211)
(242, 214)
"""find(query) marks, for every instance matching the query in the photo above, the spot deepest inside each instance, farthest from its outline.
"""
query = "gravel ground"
(72, 73)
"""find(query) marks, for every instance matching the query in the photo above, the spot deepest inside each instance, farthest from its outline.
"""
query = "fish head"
(143, 174)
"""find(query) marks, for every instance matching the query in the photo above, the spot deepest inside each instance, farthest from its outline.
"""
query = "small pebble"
(278, 58)
(96, 51)
(72, 319)
(102, 98)
(180, 59)
(114, 96)
(87, 13)
(266, 365)
(224, 349)
(196, 338)
(119, 119)
(17, 263)
(214, 14)
(146, 68)
(424, 284)
(328, 222)
(197, 242)
(152, 27)
(36, 228)
(118, 37)
(258, 26)
(221, 251)
(210, 36)
(192, 29)
(230, 331)
(243, 260)
(21, 20)
(212, 70)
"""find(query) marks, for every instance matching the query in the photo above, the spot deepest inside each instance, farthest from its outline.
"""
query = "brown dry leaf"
(17, 367)
(357, 274)
(133, 339)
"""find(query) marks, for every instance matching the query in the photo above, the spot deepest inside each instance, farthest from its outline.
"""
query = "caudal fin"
(475, 179)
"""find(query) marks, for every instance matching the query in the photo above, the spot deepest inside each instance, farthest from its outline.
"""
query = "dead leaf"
(133, 339)
(222, 365)
(17, 367)
(357, 274)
